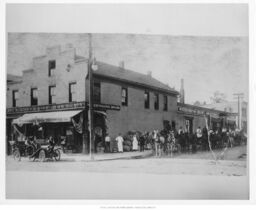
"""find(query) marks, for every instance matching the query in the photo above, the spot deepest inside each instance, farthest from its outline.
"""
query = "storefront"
(191, 117)
(61, 125)
(67, 122)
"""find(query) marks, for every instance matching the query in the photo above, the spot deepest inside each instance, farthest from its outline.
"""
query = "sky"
(205, 44)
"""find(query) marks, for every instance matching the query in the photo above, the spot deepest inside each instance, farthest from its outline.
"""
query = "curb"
(114, 158)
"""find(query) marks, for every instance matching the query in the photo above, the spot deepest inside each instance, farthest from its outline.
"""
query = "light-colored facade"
(69, 68)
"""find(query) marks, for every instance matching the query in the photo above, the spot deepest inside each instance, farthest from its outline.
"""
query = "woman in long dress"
(134, 143)
(120, 140)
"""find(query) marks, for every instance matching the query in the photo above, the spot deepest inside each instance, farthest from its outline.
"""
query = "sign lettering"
(64, 106)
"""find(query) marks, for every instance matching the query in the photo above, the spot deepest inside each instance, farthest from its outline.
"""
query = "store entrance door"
(99, 131)
(189, 125)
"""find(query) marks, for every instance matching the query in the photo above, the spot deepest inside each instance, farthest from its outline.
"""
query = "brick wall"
(135, 116)
(39, 78)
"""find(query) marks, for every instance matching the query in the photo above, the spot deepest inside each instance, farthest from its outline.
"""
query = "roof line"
(137, 84)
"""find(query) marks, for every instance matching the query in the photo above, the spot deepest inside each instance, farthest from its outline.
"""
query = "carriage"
(50, 151)
(23, 148)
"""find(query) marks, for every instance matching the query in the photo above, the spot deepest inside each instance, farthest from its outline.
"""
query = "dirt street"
(151, 178)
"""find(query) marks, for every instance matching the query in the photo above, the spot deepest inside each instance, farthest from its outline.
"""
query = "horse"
(157, 143)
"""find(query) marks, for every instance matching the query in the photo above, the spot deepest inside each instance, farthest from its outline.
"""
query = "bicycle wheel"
(16, 155)
(57, 155)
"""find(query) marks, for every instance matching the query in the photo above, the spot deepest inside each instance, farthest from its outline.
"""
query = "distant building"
(190, 117)
(240, 116)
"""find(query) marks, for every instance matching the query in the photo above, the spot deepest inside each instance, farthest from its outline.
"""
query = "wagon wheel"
(57, 155)
(41, 156)
(16, 155)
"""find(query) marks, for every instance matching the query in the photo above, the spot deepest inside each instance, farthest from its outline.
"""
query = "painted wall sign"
(194, 111)
(59, 107)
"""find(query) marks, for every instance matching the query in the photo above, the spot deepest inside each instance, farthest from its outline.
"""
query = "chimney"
(121, 65)
(149, 73)
(182, 92)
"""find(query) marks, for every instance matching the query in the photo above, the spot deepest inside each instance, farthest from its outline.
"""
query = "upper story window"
(124, 96)
(52, 94)
(165, 103)
(71, 91)
(51, 67)
(15, 97)
(34, 96)
(96, 92)
(156, 100)
(146, 100)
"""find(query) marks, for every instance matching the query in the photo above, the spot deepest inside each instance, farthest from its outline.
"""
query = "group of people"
(138, 143)
(201, 139)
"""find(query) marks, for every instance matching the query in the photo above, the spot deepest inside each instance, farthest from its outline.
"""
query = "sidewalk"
(105, 156)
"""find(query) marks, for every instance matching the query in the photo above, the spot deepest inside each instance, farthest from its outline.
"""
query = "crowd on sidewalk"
(201, 139)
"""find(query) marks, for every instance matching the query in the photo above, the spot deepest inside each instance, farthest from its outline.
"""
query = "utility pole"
(90, 110)
(239, 96)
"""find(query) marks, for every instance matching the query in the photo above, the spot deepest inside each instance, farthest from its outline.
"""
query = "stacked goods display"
(128, 142)
(128, 139)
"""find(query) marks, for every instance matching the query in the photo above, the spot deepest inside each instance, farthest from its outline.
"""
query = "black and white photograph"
(101, 114)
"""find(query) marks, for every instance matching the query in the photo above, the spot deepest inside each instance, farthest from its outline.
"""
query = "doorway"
(189, 125)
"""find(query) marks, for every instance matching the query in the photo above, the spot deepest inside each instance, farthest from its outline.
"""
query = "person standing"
(142, 142)
(134, 143)
(120, 141)
(205, 139)
(107, 143)
(199, 136)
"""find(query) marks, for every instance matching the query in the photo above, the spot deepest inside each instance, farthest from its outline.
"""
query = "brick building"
(51, 99)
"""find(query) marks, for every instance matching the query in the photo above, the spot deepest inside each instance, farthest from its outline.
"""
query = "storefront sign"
(107, 106)
(64, 106)
(194, 111)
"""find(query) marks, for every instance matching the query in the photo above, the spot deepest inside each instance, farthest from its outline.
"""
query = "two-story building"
(51, 99)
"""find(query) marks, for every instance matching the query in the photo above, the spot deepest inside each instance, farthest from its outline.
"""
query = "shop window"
(165, 103)
(71, 91)
(51, 67)
(96, 92)
(146, 100)
(124, 96)
(34, 96)
(15, 97)
(52, 94)
(156, 100)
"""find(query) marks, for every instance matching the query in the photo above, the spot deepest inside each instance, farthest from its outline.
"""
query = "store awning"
(46, 117)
